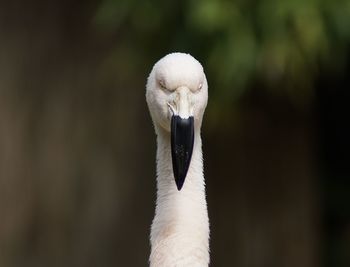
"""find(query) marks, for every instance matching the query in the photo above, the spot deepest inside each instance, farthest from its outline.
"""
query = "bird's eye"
(162, 84)
(200, 86)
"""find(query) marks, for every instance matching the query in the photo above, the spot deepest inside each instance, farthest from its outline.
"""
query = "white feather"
(180, 228)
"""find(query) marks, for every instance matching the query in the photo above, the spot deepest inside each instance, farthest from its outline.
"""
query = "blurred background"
(77, 145)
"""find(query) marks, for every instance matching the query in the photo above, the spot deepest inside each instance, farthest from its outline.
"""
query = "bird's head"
(176, 86)
(177, 94)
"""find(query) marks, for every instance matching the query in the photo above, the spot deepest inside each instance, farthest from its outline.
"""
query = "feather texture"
(180, 228)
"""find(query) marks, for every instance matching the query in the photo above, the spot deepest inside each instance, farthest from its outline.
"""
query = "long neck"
(180, 229)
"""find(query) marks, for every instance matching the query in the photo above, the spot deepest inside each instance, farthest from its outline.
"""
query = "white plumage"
(180, 228)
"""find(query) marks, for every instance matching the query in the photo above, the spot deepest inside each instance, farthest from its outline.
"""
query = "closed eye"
(162, 84)
(197, 89)
(164, 87)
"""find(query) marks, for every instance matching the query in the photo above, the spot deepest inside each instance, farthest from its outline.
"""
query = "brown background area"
(77, 152)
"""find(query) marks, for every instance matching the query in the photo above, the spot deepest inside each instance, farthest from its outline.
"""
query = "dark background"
(77, 146)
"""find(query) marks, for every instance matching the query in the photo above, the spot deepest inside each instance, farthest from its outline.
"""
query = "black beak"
(182, 138)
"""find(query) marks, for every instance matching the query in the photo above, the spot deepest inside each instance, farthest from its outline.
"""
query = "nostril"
(172, 109)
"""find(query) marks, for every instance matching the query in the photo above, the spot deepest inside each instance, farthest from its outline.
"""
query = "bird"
(177, 95)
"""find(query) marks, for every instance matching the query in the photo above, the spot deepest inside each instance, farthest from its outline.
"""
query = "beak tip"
(179, 183)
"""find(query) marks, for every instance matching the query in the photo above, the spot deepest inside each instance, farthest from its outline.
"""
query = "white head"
(176, 86)
(177, 94)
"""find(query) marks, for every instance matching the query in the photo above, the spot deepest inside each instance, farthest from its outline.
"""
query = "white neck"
(180, 229)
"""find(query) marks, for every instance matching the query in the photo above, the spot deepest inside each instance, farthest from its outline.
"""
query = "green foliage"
(279, 45)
